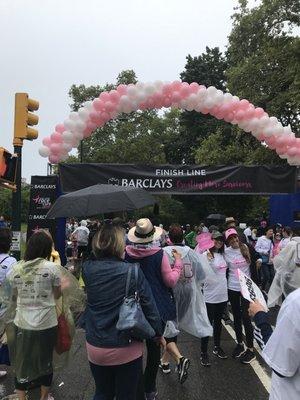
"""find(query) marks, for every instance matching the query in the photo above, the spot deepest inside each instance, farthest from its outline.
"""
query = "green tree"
(207, 69)
(6, 201)
(263, 57)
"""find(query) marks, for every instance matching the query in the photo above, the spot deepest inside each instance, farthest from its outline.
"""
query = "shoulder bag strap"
(4, 259)
(128, 280)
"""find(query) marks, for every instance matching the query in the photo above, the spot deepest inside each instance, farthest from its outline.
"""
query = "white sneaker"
(3, 374)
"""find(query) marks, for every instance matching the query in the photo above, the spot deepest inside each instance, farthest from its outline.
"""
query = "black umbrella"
(216, 217)
(99, 199)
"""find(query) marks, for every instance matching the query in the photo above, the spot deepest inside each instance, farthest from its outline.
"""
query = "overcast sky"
(46, 46)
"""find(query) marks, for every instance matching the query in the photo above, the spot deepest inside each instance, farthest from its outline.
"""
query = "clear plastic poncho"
(71, 301)
(191, 309)
(287, 272)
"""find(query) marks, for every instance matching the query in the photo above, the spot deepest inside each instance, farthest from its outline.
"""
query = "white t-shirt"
(235, 260)
(215, 291)
(35, 298)
(282, 352)
(6, 263)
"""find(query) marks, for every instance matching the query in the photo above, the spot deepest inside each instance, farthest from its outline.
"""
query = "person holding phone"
(191, 312)
(215, 293)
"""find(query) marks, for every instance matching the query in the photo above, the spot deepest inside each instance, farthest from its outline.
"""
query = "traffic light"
(24, 118)
(8, 166)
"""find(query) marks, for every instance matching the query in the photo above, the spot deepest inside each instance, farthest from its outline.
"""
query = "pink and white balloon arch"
(142, 96)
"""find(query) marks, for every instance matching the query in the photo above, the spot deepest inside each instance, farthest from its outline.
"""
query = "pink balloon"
(109, 106)
(104, 96)
(46, 141)
(240, 115)
(91, 125)
(56, 137)
(261, 137)
(98, 104)
(105, 116)
(249, 113)
(167, 89)
(229, 117)
(176, 97)
(281, 150)
(194, 87)
(60, 128)
(158, 100)
(95, 117)
(55, 148)
(184, 91)
(258, 112)
(167, 101)
(176, 85)
(114, 96)
(150, 102)
(270, 140)
(244, 104)
(142, 106)
(122, 89)
(53, 159)
(87, 132)
(292, 151)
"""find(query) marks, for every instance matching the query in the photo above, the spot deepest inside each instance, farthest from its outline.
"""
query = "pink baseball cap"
(230, 232)
(204, 241)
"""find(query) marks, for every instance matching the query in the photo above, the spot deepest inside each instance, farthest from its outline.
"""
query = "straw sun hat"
(144, 232)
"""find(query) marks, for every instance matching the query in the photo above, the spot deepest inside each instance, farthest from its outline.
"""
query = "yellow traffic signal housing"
(24, 118)
(8, 166)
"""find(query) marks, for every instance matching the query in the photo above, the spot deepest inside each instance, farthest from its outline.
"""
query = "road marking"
(258, 369)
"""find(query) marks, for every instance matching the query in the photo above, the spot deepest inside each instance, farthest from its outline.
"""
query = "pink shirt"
(114, 356)
(170, 274)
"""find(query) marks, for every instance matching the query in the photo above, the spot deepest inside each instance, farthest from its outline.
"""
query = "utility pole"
(22, 130)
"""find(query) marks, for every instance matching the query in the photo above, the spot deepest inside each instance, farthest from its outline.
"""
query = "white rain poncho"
(287, 272)
(191, 310)
(29, 281)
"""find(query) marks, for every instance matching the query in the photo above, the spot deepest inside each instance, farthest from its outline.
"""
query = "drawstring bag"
(132, 320)
(64, 340)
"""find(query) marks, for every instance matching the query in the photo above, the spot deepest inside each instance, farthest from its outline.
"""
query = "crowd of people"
(179, 279)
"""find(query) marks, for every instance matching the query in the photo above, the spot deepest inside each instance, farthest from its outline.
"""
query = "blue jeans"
(117, 381)
(267, 271)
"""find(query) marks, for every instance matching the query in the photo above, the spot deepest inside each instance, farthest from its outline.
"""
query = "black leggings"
(240, 307)
(147, 382)
(214, 312)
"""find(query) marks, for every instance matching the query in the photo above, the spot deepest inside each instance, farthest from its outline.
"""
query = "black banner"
(182, 179)
(43, 193)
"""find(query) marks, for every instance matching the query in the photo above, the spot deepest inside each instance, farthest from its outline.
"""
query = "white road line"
(258, 369)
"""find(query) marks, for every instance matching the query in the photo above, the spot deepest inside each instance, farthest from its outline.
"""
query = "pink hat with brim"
(204, 241)
(230, 232)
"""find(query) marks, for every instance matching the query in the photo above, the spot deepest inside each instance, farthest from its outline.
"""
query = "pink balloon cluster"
(142, 96)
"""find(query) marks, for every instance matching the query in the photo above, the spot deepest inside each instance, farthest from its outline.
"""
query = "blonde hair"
(109, 241)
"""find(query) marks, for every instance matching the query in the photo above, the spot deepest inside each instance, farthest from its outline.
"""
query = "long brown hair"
(245, 251)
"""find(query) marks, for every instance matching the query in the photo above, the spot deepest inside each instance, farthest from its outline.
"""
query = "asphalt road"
(224, 380)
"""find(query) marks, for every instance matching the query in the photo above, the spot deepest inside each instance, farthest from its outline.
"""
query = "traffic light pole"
(16, 200)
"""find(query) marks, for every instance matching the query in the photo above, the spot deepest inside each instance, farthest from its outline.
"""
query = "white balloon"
(202, 93)
(158, 84)
(78, 135)
(89, 105)
(209, 103)
(273, 121)
(83, 113)
(287, 130)
(228, 97)
(73, 116)
(132, 91)
(211, 90)
(67, 146)
(69, 124)
(235, 98)
(80, 126)
(149, 88)
(283, 156)
(44, 151)
(67, 136)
